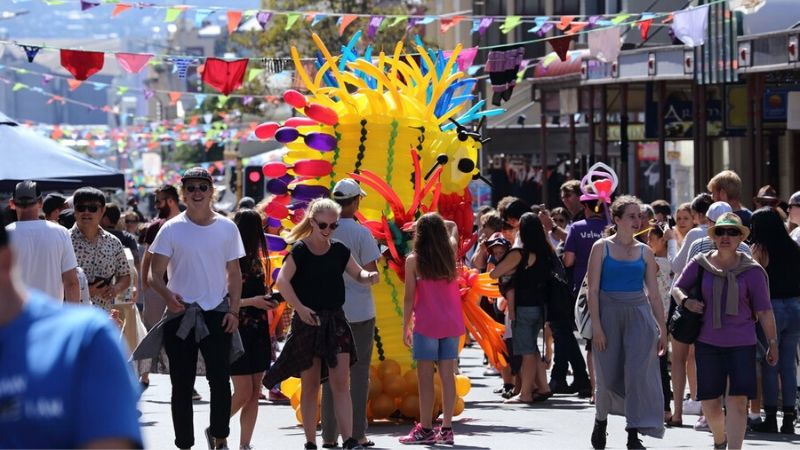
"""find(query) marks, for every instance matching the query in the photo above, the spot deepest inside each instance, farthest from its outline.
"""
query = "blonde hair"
(684, 207)
(727, 181)
(317, 206)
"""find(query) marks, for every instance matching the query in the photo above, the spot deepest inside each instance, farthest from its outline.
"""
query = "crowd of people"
(204, 281)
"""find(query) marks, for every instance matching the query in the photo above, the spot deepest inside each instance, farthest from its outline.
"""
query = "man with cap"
(359, 308)
(44, 249)
(794, 215)
(246, 203)
(53, 205)
(201, 250)
(706, 244)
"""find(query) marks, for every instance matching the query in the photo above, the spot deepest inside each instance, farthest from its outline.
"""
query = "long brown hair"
(255, 244)
(436, 259)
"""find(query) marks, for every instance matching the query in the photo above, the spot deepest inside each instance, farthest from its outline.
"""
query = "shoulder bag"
(684, 325)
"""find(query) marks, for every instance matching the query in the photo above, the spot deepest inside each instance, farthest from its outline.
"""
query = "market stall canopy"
(25, 155)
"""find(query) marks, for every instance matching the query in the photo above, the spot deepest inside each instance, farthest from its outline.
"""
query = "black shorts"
(721, 368)
(257, 353)
(515, 360)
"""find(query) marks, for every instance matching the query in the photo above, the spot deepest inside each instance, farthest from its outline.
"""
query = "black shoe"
(210, 439)
(633, 440)
(351, 443)
(599, 434)
(789, 417)
(769, 425)
(585, 393)
(559, 388)
(310, 446)
(328, 445)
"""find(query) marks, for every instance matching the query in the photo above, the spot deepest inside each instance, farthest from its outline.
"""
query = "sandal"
(367, 443)
(519, 400)
(673, 423)
(538, 398)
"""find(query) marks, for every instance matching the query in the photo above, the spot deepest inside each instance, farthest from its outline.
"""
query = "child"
(497, 247)
(432, 297)
(657, 242)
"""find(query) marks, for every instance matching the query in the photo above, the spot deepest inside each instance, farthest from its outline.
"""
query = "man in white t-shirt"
(359, 308)
(45, 256)
(794, 215)
(200, 252)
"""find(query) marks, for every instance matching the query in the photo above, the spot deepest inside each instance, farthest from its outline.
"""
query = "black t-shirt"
(250, 317)
(318, 280)
(529, 281)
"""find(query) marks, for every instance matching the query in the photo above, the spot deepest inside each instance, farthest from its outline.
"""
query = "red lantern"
(266, 130)
(295, 98)
(274, 169)
(322, 114)
(312, 168)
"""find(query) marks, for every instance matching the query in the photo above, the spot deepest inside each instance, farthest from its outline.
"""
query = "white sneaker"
(701, 424)
(692, 407)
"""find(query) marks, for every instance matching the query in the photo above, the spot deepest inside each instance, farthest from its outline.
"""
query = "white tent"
(25, 155)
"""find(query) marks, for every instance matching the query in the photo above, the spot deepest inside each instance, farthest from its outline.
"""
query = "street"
(562, 422)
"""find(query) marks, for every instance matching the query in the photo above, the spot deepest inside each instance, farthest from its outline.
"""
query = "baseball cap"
(26, 193)
(717, 209)
(53, 202)
(247, 203)
(347, 188)
(196, 173)
(795, 199)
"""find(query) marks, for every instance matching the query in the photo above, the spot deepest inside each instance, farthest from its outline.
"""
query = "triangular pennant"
(291, 19)
(247, 99)
(98, 86)
(122, 90)
(644, 28)
(31, 51)
(545, 29)
(446, 24)
(593, 21)
(565, 22)
(200, 16)
(174, 97)
(476, 25)
(132, 62)
(254, 73)
(148, 94)
(577, 27)
(88, 5)
(221, 100)
(510, 23)
(397, 20)
(538, 23)
(18, 86)
(47, 78)
(561, 45)
(73, 84)
(374, 23)
(82, 64)
(120, 8)
(224, 76)
(344, 21)
(317, 19)
(173, 13)
(486, 22)
(309, 17)
(465, 58)
(620, 18)
(263, 17)
(234, 17)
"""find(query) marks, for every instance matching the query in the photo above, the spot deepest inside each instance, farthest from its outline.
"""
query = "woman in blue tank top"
(628, 332)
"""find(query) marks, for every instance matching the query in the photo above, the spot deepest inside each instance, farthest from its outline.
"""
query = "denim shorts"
(431, 349)
(719, 368)
(525, 329)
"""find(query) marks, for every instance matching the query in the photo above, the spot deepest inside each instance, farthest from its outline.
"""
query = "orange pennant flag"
(668, 19)
(577, 27)
(193, 121)
(174, 97)
(120, 8)
(73, 84)
(310, 17)
(446, 24)
(347, 19)
(644, 28)
(565, 22)
(234, 17)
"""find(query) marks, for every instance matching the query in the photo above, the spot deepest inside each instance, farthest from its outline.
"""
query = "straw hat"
(729, 220)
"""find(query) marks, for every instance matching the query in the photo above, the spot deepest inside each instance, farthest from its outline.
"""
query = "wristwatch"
(773, 341)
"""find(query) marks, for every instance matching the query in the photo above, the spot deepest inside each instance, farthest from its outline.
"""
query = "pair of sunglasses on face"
(324, 226)
(732, 232)
(93, 208)
(193, 187)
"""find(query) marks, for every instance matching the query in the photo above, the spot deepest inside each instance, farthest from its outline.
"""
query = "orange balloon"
(412, 382)
(459, 406)
(388, 366)
(382, 406)
(409, 406)
(463, 385)
(375, 386)
(295, 400)
(394, 385)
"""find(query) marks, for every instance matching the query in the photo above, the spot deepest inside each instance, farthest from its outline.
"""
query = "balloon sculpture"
(599, 184)
(397, 124)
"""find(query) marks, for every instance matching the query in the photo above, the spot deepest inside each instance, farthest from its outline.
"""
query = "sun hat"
(729, 220)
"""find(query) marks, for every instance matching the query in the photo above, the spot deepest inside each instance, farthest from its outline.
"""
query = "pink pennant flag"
(465, 58)
(132, 62)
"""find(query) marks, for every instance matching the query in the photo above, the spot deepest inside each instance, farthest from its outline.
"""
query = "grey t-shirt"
(358, 305)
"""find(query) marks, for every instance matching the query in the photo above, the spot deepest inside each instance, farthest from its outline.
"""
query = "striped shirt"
(706, 244)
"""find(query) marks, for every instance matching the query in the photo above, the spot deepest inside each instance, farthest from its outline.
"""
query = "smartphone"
(276, 297)
(102, 282)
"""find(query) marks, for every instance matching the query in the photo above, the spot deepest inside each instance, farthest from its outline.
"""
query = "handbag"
(684, 325)
(583, 320)
(559, 294)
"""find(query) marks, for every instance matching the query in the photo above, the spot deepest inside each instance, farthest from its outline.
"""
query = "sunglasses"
(733, 232)
(91, 208)
(193, 187)
(324, 226)
(131, 221)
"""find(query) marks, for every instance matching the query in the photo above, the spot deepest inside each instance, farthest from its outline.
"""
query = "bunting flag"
(181, 66)
(290, 20)
(398, 20)
(561, 45)
(593, 21)
(538, 23)
(565, 22)
(576, 27)
(174, 97)
(82, 64)
(132, 62)
(374, 23)
(254, 73)
(224, 76)
(200, 16)
(317, 19)
(31, 51)
(486, 22)
(200, 98)
(344, 21)
(74, 84)
(120, 8)
(234, 17)
(545, 29)
(263, 17)
(644, 28)
(446, 24)
(689, 25)
(122, 90)
(18, 86)
(605, 44)
(173, 13)
(620, 18)
(510, 23)
(465, 58)
(148, 94)
(88, 5)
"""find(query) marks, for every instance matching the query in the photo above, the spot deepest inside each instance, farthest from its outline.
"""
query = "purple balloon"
(285, 135)
(275, 243)
(320, 141)
(286, 178)
(306, 192)
(275, 274)
(277, 186)
(273, 222)
(300, 204)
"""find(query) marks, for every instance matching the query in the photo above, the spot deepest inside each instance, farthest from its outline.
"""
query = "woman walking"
(321, 342)
(777, 253)
(734, 295)
(628, 329)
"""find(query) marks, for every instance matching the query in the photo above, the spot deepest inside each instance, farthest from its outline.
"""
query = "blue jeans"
(787, 321)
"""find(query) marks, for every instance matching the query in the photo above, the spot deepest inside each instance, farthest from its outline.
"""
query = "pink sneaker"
(445, 436)
(419, 436)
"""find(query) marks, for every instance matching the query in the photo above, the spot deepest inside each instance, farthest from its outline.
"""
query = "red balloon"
(322, 114)
(295, 98)
(267, 130)
(276, 210)
(274, 169)
(299, 122)
(298, 216)
(312, 168)
(282, 199)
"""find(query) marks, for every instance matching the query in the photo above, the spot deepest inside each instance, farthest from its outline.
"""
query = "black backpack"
(559, 303)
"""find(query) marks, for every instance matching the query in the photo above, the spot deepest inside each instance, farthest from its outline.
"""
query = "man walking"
(44, 249)
(200, 249)
(359, 308)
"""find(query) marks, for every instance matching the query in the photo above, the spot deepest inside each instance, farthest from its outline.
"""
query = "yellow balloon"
(295, 400)
(463, 385)
(459, 406)
(289, 385)
(412, 382)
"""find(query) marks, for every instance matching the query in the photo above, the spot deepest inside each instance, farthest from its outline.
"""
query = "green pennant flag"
(221, 100)
(19, 86)
(109, 2)
(397, 20)
(619, 19)
(122, 90)
(21, 71)
(510, 23)
(291, 18)
(549, 59)
(173, 14)
(55, 2)
(254, 73)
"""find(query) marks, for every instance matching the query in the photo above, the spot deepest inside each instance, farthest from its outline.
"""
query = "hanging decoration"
(224, 76)
(689, 25)
(561, 46)
(82, 64)
(132, 62)
(31, 51)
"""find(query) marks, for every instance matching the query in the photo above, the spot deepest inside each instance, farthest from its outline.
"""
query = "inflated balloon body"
(404, 127)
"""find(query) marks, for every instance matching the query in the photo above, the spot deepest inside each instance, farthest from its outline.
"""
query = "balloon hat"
(599, 184)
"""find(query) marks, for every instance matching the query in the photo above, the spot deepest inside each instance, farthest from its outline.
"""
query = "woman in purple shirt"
(735, 295)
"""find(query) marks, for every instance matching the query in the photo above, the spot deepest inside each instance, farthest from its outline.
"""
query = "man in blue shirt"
(64, 382)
